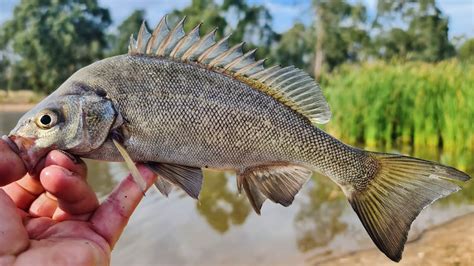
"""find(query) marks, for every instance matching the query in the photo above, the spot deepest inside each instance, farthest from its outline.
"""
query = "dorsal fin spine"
(263, 73)
(168, 41)
(186, 42)
(161, 29)
(131, 45)
(245, 70)
(195, 49)
(238, 60)
(288, 85)
(206, 55)
(229, 52)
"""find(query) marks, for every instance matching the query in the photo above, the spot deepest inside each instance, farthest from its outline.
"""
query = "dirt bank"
(15, 107)
(18, 100)
(448, 244)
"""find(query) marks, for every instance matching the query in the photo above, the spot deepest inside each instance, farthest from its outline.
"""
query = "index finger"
(112, 216)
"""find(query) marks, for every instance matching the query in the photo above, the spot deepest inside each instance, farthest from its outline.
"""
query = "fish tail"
(398, 188)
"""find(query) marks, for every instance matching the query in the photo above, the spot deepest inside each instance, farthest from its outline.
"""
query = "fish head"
(76, 123)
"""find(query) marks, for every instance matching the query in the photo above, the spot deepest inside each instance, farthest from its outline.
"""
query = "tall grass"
(423, 105)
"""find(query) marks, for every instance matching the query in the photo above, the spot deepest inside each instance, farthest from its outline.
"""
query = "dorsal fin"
(289, 85)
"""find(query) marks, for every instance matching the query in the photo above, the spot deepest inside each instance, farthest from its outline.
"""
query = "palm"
(56, 218)
(64, 243)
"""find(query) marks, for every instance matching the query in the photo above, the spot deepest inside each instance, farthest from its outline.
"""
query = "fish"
(180, 101)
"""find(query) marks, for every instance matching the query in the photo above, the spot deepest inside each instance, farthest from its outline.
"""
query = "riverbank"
(451, 243)
(23, 107)
(20, 100)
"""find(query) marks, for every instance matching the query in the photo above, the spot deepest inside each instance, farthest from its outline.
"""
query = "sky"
(284, 12)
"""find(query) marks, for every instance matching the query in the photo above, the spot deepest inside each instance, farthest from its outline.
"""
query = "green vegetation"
(51, 40)
(391, 104)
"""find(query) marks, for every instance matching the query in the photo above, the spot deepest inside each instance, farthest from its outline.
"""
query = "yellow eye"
(46, 119)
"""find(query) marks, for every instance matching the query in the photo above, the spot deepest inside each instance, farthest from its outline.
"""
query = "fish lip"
(26, 149)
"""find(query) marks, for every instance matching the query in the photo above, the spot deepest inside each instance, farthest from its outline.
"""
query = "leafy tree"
(466, 51)
(119, 41)
(430, 37)
(199, 11)
(339, 33)
(295, 47)
(4, 64)
(426, 36)
(396, 43)
(54, 38)
(253, 21)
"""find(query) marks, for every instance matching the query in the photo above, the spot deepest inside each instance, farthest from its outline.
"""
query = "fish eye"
(46, 119)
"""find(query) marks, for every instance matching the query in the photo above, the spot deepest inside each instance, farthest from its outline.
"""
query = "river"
(222, 229)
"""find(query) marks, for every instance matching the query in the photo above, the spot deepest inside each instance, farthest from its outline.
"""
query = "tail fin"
(397, 192)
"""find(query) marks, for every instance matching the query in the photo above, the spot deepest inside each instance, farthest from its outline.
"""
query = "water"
(223, 229)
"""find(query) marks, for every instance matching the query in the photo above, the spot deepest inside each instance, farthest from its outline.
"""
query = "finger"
(12, 167)
(61, 159)
(44, 206)
(73, 194)
(27, 189)
(24, 191)
(112, 216)
(14, 237)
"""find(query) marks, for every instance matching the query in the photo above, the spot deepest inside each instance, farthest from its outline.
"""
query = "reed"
(422, 105)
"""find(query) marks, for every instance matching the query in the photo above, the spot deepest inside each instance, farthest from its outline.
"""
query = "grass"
(422, 105)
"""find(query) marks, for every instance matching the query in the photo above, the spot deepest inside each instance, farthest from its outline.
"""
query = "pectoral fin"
(137, 177)
(279, 183)
(187, 178)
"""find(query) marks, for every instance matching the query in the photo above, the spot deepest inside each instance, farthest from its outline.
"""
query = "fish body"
(197, 117)
(180, 102)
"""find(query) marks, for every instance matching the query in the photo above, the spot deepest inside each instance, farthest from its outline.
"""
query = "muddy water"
(222, 229)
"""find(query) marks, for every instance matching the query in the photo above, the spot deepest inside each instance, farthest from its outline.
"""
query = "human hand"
(56, 218)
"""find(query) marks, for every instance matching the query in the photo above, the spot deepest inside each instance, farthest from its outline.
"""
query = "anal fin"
(279, 183)
(163, 185)
(254, 195)
(187, 178)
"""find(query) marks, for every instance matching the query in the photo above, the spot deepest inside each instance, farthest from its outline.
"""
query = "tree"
(426, 34)
(199, 11)
(339, 33)
(119, 41)
(295, 47)
(466, 50)
(253, 21)
(54, 38)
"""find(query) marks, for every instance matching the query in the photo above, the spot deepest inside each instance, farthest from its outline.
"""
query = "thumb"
(12, 167)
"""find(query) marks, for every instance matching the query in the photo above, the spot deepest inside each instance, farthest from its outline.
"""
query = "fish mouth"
(26, 150)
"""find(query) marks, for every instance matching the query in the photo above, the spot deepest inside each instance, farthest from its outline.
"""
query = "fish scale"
(178, 103)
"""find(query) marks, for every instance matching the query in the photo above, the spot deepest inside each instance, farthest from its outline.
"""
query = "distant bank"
(17, 107)
(18, 101)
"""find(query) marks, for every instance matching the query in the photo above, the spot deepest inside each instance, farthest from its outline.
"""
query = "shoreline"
(450, 243)
(16, 107)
